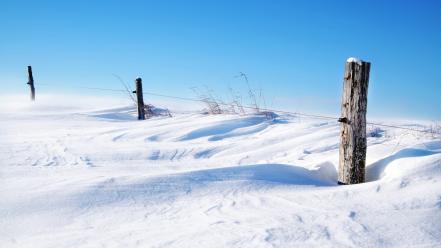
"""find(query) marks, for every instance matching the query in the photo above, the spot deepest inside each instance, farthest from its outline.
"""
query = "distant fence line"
(316, 116)
(353, 131)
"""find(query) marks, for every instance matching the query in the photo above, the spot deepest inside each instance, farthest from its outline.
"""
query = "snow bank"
(102, 178)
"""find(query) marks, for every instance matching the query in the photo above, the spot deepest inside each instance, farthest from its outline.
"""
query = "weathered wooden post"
(31, 83)
(140, 100)
(353, 143)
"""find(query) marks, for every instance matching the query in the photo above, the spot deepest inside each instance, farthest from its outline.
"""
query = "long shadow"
(123, 114)
(116, 114)
(375, 170)
(225, 129)
(163, 188)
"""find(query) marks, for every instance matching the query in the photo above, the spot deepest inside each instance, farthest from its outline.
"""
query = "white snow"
(355, 60)
(101, 178)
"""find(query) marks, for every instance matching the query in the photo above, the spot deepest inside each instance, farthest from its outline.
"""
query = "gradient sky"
(293, 50)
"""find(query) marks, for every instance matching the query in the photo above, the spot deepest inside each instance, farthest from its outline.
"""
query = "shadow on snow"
(230, 128)
(375, 170)
(170, 187)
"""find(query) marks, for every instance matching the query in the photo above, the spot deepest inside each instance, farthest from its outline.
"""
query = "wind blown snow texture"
(102, 178)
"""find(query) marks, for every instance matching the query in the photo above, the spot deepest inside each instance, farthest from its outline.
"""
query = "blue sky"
(293, 50)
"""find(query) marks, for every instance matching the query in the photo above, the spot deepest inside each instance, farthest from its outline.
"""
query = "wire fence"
(426, 130)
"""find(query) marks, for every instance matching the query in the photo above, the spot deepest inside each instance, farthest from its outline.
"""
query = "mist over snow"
(76, 102)
(84, 172)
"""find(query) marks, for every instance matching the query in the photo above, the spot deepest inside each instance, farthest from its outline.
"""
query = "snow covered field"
(79, 178)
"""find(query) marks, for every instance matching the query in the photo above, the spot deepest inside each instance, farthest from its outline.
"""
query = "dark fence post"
(140, 100)
(353, 145)
(31, 83)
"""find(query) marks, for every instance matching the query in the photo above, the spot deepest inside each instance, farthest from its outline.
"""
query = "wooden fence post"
(140, 100)
(31, 83)
(353, 145)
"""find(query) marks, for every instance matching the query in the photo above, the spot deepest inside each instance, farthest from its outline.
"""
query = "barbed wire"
(316, 116)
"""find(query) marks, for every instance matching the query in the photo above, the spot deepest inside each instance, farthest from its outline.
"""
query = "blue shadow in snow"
(116, 114)
(375, 170)
(170, 187)
(222, 129)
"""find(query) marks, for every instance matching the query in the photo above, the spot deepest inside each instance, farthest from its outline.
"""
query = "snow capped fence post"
(353, 144)
(140, 100)
(31, 83)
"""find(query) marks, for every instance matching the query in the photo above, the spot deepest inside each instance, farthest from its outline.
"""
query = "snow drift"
(88, 178)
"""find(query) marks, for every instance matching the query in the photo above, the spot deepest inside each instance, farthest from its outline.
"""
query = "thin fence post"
(31, 83)
(353, 144)
(140, 100)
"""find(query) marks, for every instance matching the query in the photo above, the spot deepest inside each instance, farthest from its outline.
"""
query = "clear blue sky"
(294, 50)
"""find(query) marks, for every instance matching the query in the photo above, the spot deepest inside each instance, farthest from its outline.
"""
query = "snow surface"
(101, 178)
(355, 60)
